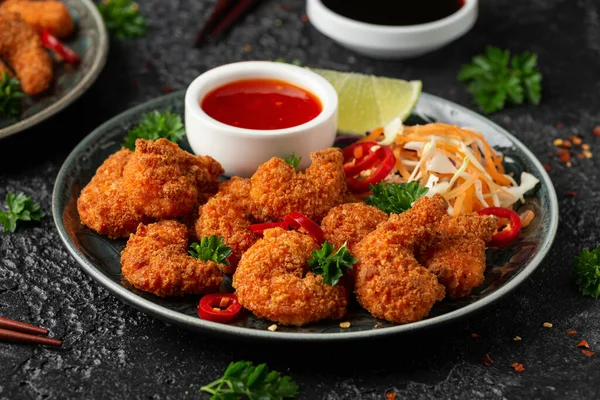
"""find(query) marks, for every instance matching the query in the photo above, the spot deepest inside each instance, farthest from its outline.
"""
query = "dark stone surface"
(113, 351)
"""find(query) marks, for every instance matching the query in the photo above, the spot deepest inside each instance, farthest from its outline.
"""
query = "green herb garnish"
(122, 18)
(244, 380)
(395, 198)
(495, 79)
(586, 272)
(331, 266)
(211, 249)
(10, 97)
(156, 125)
(293, 160)
(20, 208)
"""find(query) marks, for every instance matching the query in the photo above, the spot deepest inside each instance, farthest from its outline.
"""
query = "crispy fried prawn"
(165, 181)
(390, 283)
(103, 205)
(457, 255)
(21, 47)
(155, 260)
(277, 189)
(49, 14)
(350, 223)
(272, 281)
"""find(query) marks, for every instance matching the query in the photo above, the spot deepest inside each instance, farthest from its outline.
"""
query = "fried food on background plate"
(272, 281)
(156, 260)
(390, 283)
(103, 205)
(277, 189)
(49, 14)
(164, 181)
(21, 47)
(350, 223)
(457, 254)
(5, 68)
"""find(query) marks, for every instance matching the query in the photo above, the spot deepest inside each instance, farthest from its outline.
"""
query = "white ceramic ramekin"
(240, 151)
(392, 42)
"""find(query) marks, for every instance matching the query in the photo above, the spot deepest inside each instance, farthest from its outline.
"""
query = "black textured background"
(113, 351)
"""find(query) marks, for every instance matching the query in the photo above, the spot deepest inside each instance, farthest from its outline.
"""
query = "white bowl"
(240, 151)
(392, 42)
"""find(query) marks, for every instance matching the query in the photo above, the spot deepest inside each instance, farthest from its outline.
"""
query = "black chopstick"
(224, 15)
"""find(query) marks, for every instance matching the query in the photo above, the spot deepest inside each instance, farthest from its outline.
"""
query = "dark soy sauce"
(394, 12)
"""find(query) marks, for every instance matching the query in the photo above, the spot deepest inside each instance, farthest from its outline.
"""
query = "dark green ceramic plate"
(100, 257)
(90, 42)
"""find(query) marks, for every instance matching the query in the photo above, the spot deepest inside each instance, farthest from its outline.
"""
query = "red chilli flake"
(474, 335)
(391, 395)
(571, 193)
(588, 353)
(596, 131)
(166, 89)
(559, 126)
(584, 343)
(547, 167)
(518, 367)
(571, 332)
(304, 18)
(487, 360)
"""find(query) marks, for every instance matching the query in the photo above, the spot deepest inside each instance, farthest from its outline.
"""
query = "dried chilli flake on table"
(588, 353)
(487, 360)
(518, 367)
(571, 332)
(584, 343)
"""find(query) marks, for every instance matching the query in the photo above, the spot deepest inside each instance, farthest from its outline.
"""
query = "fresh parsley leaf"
(10, 96)
(395, 198)
(586, 272)
(211, 248)
(495, 79)
(20, 208)
(331, 266)
(156, 125)
(122, 18)
(244, 380)
(293, 160)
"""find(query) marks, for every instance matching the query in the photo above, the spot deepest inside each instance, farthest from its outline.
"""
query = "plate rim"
(202, 326)
(80, 88)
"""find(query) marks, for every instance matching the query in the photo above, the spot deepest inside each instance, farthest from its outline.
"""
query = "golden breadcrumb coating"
(165, 181)
(103, 205)
(49, 14)
(390, 283)
(457, 255)
(277, 189)
(156, 260)
(350, 223)
(21, 47)
(272, 281)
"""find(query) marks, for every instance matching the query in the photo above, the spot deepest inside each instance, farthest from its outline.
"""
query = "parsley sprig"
(395, 198)
(244, 380)
(20, 208)
(586, 272)
(211, 248)
(495, 79)
(123, 19)
(10, 96)
(155, 125)
(293, 160)
(331, 266)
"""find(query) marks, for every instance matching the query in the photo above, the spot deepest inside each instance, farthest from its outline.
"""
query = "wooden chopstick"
(228, 14)
(20, 337)
(218, 11)
(22, 327)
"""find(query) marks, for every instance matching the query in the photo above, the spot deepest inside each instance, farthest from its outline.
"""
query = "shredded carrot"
(373, 135)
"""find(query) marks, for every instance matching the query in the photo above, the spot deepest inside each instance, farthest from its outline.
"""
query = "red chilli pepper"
(219, 307)
(259, 229)
(365, 160)
(298, 220)
(510, 231)
(62, 50)
(388, 161)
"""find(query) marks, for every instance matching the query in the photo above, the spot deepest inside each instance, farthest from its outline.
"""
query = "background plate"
(100, 257)
(90, 42)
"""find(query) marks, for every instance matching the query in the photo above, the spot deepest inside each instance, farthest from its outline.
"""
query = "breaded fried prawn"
(390, 283)
(103, 205)
(277, 189)
(350, 223)
(457, 256)
(155, 260)
(21, 47)
(165, 181)
(49, 14)
(272, 281)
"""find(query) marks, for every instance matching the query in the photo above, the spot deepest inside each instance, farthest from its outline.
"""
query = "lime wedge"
(367, 102)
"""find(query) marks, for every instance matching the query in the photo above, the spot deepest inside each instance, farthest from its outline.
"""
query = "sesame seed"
(557, 142)
(272, 328)
(548, 325)
(345, 325)
(517, 338)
